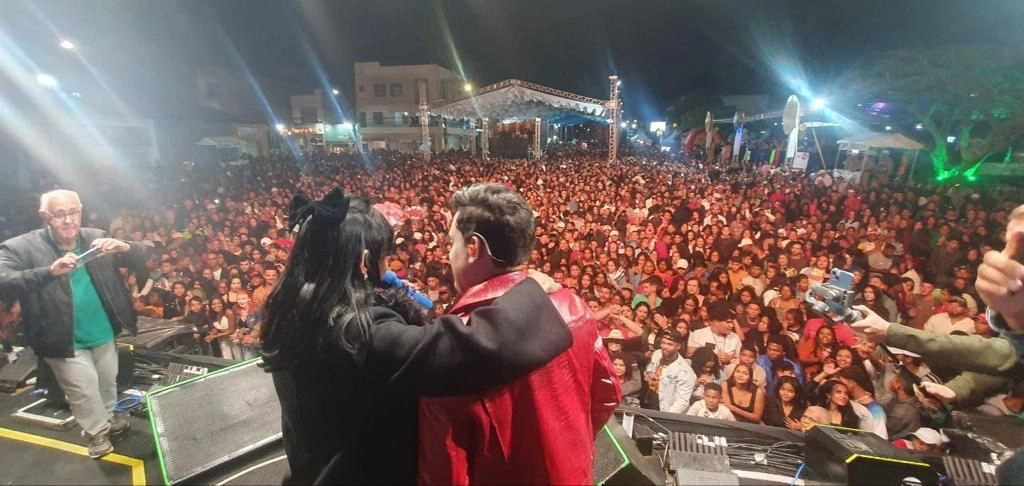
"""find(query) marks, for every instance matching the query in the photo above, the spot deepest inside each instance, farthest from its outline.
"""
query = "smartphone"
(88, 256)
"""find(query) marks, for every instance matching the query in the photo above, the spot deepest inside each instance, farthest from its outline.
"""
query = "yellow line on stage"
(137, 465)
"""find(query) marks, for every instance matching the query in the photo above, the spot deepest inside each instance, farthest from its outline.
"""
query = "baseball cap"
(672, 334)
(929, 436)
(615, 335)
(265, 241)
(720, 311)
(904, 352)
(958, 299)
(745, 242)
(682, 264)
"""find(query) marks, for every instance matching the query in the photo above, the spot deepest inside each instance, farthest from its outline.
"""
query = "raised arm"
(518, 333)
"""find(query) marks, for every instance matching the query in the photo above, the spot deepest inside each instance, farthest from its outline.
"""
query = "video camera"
(834, 298)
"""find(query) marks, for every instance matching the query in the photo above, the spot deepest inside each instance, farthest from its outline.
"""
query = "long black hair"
(323, 299)
(849, 416)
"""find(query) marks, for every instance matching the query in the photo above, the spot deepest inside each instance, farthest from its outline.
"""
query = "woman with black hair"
(835, 397)
(349, 359)
(786, 404)
(707, 368)
(629, 377)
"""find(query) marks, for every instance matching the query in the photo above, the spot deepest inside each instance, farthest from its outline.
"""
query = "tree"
(975, 93)
(690, 110)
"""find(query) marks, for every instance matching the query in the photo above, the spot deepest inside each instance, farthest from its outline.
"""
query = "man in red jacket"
(541, 428)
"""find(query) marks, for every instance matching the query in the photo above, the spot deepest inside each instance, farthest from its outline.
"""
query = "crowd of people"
(697, 276)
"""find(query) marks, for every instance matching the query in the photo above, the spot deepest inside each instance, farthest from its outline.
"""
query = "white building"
(387, 103)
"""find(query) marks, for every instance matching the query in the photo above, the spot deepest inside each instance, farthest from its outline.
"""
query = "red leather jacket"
(538, 430)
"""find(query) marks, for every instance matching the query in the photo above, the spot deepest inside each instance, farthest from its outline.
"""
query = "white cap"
(904, 352)
(266, 241)
(745, 242)
(930, 436)
(682, 264)
(615, 334)
(417, 236)
(399, 240)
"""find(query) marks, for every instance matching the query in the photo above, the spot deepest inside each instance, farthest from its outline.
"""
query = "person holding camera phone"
(75, 303)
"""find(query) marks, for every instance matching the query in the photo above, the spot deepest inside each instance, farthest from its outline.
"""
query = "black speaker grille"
(206, 422)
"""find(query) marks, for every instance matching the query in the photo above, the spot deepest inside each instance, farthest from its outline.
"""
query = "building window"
(378, 117)
(362, 88)
(396, 90)
(307, 114)
(362, 118)
(380, 90)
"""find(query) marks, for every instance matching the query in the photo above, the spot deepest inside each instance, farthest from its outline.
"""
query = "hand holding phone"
(88, 256)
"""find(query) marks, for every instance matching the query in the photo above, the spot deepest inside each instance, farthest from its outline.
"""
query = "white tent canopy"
(872, 140)
(227, 149)
(515, 99)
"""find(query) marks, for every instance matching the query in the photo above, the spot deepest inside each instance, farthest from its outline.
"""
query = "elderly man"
(73, 310)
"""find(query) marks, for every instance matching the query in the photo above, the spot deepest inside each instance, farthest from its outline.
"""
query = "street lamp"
(46, 80)
(66, 44)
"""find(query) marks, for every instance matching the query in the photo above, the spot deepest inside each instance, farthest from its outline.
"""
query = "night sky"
(661, 49)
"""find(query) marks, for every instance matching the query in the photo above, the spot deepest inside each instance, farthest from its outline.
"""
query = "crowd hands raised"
(697, 275)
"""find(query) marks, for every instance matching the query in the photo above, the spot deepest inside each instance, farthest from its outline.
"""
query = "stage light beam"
(819, 104)
(46, 80)
(66, 44)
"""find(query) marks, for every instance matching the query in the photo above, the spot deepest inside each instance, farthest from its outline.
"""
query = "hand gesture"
(793, 424)
(547, 283)
(111, 245)
(872, 327)
(1000, 281)
(942, 392)
(831, 368)
(63, 265)
(661, 320)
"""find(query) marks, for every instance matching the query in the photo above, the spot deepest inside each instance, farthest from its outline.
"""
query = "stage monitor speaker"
(853, 456)
(618, 461)
(206, 421)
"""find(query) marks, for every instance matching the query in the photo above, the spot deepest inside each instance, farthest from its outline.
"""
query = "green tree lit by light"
(972, 93)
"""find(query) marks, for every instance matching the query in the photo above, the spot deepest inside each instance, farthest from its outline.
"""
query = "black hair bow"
(332, 209)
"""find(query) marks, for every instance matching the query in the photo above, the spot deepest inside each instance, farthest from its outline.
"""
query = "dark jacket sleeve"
(135, 261)
(518, 333)
(15, 277)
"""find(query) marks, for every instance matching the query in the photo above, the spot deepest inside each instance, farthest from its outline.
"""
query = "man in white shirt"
(954, 319)
(719, 333)
(669, 375)
(710, 407)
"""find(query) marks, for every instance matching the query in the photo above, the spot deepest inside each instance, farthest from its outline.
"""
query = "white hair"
(44, 200)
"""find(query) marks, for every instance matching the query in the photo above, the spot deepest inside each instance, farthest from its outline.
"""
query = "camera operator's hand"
(872, 327)
(1001, 278)
(63, 265)
(942, 392)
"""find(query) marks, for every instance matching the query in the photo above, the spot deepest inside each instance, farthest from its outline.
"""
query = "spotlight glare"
(888, 128)
(279, 127)
(66, 44)
(818, 103)
(46, 80)
(335, 91)
(467, 87)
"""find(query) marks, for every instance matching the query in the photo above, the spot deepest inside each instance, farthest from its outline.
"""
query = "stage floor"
(32, 454)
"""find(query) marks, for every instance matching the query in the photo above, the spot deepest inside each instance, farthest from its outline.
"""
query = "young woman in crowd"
(786, 404)
(223, 320)
(629, 377)
(815, 351)
(706, 367)
(742, 396)
(835, 397)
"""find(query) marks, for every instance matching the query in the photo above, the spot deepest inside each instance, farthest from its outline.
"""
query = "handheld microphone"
(392, 280)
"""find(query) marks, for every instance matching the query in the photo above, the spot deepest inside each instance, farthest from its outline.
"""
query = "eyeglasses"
(64, 215)
(487, 246)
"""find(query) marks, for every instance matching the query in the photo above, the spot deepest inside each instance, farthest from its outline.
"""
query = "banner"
(801, 159)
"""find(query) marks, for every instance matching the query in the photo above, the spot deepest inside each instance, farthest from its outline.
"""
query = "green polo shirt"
(92, 326)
